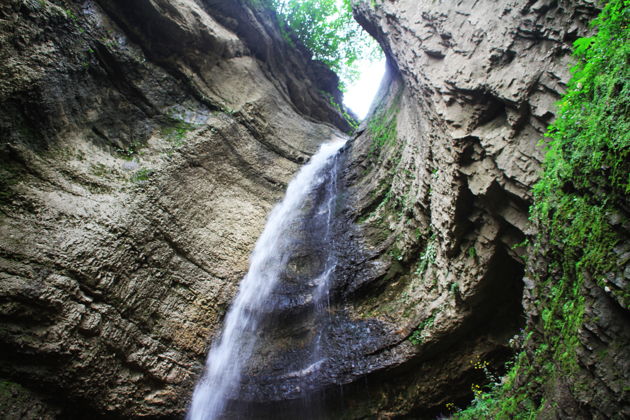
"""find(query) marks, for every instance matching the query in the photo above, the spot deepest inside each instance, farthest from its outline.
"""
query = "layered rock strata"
(440, 186)
(430, 286)
(143, 144)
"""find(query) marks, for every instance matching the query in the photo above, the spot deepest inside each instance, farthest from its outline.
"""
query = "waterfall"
(272, 253)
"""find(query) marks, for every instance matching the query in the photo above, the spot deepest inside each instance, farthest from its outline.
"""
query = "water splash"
(228, 354)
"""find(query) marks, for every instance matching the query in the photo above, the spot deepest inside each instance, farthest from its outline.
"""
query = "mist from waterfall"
(229, 353)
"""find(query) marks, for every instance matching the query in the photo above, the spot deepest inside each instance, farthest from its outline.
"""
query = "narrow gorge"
(178, 181)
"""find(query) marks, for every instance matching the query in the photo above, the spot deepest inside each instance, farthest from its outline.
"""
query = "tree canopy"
(328, 29)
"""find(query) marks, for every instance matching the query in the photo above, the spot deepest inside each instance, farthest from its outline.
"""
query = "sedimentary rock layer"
(440, 184)
(143, 144)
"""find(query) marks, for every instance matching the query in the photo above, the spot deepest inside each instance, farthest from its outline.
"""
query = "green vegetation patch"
(418, 335)
(383, 127)
(175, 131)
(142, 175)
(427, 258)
(354, 124)
(131, 151)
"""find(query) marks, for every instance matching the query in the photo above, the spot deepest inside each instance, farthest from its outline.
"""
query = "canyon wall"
(440, 183)
(143, 145)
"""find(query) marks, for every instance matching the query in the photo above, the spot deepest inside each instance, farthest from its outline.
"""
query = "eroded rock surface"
(143, 144)
(439, 184)
(438, 188)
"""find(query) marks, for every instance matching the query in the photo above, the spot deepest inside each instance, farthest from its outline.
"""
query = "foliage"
(383, 131)
(418, 335)
(454, 288)
(587, 166)
(349, 118)
(472, 252)
(175, 131)
(328, 29)
(70, 14)
(383, 127)
(142, 175)
(585, 182)
(427, 258)
(132, 150)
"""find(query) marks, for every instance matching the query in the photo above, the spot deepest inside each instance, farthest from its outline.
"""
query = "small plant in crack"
(142, 175)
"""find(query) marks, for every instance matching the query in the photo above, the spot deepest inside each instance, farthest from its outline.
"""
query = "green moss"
(175, 131)
(396, 253)
(472, 252)
(383, 133)
(585, 180)
(454, 288)
(142, 175)
(71, 15)
(354, 124)
(131, 151)
(427, 258)
(383, 127)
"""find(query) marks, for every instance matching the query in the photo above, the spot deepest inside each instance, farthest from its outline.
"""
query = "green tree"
(328, 29)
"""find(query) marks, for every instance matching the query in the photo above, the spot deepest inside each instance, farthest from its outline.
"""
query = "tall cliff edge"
(440, 185)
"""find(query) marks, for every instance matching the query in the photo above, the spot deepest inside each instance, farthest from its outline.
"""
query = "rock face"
(143, 144)
(439, 184)
(430, 291)
(438, 192)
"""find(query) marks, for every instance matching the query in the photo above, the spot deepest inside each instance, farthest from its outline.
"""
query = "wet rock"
(144, 143)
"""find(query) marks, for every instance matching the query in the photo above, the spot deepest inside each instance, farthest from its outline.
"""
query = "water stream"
(312, 195)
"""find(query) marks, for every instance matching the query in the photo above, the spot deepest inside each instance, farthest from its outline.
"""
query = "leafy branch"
(328, 29)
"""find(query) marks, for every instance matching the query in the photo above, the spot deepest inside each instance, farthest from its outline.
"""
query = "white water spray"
(228, 354)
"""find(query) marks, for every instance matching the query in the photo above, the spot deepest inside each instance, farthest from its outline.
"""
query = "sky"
(360, 94)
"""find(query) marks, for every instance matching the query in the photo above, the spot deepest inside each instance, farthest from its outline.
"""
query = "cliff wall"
(143, 145)
(440, 185)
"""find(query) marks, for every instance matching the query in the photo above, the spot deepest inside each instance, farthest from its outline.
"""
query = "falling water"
(228, 354)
